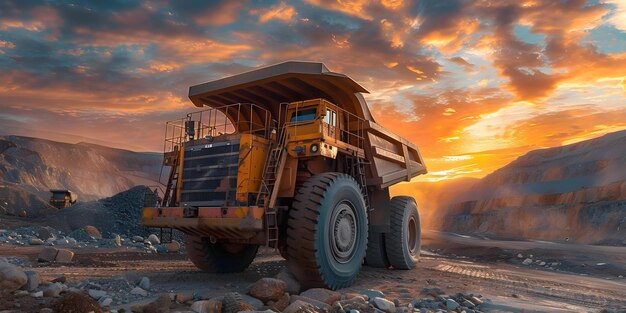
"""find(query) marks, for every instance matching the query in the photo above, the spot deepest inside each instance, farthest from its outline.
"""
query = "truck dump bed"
(392, 158)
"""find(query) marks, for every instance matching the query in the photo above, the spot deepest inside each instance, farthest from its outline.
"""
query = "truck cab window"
(330, 118)
(303, 115)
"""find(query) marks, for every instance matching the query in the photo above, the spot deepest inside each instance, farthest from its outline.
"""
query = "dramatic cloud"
(473, 83)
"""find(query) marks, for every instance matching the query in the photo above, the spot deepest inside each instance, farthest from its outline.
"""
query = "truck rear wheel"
(376, 253)
(327, 231)
(404, 241)
(219, 257)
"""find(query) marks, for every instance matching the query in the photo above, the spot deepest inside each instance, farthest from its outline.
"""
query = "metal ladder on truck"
(169, 197)
(357, 171)
(268, 192)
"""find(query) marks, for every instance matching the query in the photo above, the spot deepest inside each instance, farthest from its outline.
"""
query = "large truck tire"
(404, 241)
(218, 257)
(376, 255)
(327, 231)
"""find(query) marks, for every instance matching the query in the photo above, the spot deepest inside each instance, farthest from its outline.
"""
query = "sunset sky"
(474, 83)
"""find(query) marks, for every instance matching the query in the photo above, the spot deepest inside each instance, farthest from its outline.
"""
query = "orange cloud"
(281, 12)
(350, 7)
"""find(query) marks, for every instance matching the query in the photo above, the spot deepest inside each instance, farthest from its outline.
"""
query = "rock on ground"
(299, 306)
(233, 303)
(32, 280)
(139, 291)
(47, 254)
(324, 295)
(93, 232)
(76, 303)
(154, 239)
(53, 290)
(35, 242)
(268, 289)
(97, 294)
(173, 246)
(11, 277)
(384, 305)
(318, 304)
(371, 294)
(64, 256)
(207, 306)
(144, 283)
(162, 304)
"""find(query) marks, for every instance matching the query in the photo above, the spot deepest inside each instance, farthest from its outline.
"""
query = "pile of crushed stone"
(116, 215)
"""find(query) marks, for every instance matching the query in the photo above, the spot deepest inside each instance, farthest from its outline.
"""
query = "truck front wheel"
(219, 257)
(327, 231)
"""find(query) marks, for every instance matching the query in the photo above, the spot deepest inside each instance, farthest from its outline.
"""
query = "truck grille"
(209, 176)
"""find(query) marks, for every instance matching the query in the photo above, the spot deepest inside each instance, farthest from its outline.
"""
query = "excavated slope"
(575, 192)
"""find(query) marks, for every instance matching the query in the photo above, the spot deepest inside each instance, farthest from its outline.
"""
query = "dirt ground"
(586, 279)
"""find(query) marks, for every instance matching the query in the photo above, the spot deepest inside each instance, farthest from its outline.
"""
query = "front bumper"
(221, 223)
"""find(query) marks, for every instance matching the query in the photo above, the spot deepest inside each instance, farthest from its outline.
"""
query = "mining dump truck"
(62, 198)
(289, 156)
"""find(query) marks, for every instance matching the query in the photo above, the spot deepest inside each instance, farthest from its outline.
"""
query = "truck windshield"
(58, 196)
(303, 115)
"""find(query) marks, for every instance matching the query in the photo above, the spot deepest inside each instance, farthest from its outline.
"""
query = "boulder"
(44, 233)
(371, 293)
(527, 261)
(173, 246)
(281, 304)
(183, 297)
(154, 239)
(268, 289)
(47, 254)
(207, 306)
(76, 302)
(132, 277)
(118, 240)
(64, 256)
(11, 277)
(384, 305)
(137, 239)
(35, 242)
(32, 280)
(93, 232)
(356, 303)
(316, 303)
(452, 305)
(161, 304)
(105, 301)
(233, 303)
(139, 291)
(97, 294)
(252, 301)
(144, 283)
(324, 295)
(53, 290)
(299, 306)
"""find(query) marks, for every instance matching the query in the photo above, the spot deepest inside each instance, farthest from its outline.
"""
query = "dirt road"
(450, 262)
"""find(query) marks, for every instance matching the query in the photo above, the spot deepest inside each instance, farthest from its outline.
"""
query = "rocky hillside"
(29, 167)
(575, 192)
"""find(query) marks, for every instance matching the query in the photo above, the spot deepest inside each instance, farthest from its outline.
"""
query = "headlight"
(314, 148)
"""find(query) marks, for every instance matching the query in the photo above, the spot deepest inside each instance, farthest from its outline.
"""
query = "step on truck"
(289, 156)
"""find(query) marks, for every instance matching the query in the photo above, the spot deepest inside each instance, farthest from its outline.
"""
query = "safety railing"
(242, 118)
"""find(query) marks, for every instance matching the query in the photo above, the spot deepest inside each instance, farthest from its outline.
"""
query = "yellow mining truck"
(62, 198)
(289, 156)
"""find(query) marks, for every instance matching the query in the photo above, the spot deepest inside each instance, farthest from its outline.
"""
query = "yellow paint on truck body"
(253, 151)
